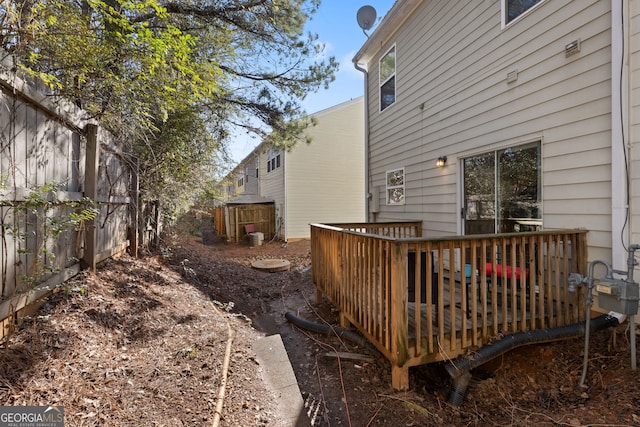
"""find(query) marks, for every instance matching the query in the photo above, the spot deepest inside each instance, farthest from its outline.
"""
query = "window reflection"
(516, 8)
(502, 191)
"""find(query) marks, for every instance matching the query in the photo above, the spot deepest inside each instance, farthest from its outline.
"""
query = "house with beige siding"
(243, 179)
(501, 116)
(317, 181)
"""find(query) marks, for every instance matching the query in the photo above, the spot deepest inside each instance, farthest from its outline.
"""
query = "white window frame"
(498, 200)
(504, 7)
(393, 186)
(383, 81)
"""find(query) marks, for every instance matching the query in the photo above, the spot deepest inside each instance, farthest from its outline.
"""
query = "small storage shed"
(247, 210)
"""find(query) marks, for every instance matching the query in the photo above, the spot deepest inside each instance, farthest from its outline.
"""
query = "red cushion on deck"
(489, 269)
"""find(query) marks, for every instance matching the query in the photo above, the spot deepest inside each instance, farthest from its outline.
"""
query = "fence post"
(91, 192)
(134, 209)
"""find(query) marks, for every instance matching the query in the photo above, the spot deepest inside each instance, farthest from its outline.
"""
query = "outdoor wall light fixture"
(442, 160)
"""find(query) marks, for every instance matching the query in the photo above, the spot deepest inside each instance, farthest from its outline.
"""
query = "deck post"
(399, 315)
(399, 377)
(344, 321)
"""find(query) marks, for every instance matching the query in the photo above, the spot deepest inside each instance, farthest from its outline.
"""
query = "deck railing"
(424, 300)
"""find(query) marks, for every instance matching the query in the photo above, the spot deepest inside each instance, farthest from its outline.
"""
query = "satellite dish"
(366, 18)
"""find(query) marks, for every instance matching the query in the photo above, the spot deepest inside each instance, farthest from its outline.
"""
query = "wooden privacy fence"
(425, 300)
(55, 166)
(261, 216)
(218, 221)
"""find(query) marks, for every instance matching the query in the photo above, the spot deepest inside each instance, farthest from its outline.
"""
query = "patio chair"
(248, 230)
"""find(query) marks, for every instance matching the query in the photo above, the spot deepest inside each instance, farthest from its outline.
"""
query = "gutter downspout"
(619, 135)
(367, 190)
(283, 212)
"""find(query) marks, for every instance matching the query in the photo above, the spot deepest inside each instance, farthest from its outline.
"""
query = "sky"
(337, 27)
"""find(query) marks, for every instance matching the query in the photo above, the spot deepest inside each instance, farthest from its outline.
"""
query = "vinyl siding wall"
(250, 180)
(240, 189)
(325, 178)
(271, 185)
(453, 99)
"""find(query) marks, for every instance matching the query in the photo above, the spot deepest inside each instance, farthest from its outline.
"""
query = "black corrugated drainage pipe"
(322, 328)
(459, 368)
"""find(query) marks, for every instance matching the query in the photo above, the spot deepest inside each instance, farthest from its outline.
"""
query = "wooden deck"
(415, 310)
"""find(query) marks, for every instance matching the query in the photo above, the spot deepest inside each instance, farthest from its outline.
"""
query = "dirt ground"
(143, 342)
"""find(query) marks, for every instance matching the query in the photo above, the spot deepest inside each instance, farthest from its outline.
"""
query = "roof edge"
(399, 13)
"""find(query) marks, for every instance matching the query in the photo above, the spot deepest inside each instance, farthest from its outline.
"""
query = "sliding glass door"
(502, 191)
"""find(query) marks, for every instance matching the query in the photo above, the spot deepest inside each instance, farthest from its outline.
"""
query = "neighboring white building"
(319, 181)
(534, 104)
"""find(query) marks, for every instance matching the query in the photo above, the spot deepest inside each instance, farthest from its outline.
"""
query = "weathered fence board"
(218, 221)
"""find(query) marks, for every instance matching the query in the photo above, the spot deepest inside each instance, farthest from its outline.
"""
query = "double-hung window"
(395, 187)
(273, 159)
(388, 79)
(512, 9)
(502, 191)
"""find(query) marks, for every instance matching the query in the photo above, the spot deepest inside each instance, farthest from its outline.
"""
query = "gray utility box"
(618, 295)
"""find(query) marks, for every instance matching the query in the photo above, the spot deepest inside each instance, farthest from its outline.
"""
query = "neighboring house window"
(273, 159)
(240, 180)
(502, 191)
(395, 187)
(511, 9)
(388, 79)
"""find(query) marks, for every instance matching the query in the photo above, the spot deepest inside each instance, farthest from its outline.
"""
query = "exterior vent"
(512, 76)
(572, 48)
